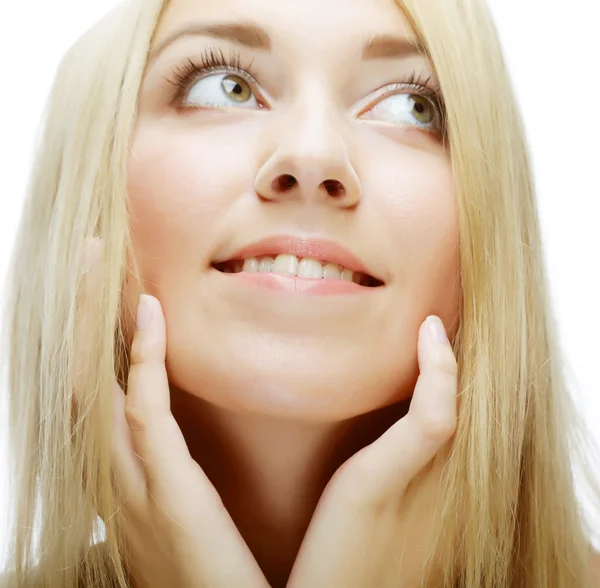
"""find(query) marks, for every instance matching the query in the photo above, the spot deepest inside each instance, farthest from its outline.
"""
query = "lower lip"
(301, 286)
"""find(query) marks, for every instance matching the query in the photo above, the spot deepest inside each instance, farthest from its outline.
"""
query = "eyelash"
(214, 59)
(211, 60)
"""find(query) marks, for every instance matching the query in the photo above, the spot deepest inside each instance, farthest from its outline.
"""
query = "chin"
(296, 387)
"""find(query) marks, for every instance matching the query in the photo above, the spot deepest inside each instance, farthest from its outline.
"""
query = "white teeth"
(286, 265)
(290, 265)
(347, 274)
(266, 265)
(331, 271)
(310, 268)
(251, 265)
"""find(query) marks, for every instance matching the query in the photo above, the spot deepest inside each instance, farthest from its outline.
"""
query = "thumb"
(392, 461)
(156, 436)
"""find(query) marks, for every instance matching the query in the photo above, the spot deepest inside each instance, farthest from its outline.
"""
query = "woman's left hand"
(355, 533)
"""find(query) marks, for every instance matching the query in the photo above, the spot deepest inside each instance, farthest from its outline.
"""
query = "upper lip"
(319, 249)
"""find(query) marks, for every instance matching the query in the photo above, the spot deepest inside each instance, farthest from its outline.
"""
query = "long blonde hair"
(511, 516)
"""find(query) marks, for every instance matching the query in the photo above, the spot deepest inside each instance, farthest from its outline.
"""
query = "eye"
(221, 90)
(407, 109)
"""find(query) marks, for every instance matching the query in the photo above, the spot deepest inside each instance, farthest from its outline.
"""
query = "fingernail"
(437, 330)
(144, 312)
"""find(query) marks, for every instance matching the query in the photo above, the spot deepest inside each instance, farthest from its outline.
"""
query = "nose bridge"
(310, 155)
(314, 143)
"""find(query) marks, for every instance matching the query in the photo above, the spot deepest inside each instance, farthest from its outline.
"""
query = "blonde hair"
(511, 517)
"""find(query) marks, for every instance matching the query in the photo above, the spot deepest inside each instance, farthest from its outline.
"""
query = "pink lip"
(295, 285)
(319, 249)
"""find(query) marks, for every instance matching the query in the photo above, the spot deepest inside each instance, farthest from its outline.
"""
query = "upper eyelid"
(216, 69)
(211, 60)
(238, 70)
(394, 88)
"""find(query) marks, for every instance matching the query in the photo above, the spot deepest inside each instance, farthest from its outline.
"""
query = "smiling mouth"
(299, 267)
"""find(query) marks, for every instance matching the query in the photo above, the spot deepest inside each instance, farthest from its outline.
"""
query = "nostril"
(334, 188)
(284, 183)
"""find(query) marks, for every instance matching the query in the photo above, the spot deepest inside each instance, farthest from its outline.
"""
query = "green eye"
(236, 88)
(400, 106)
(422, 109)
(221, 90)
(407, 109)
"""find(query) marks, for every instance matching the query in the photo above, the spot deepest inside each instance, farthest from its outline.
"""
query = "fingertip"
(435, 329)
(434, 348)
(149, 312)
(145, 311)
(149, 341)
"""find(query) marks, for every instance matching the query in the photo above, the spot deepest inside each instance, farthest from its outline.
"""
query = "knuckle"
(136, 419)
(445, 362)
(137, 351)
(438, 428)
(356, 486)
(146, 349)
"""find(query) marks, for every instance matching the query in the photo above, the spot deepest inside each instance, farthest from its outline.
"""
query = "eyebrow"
(387, 46)
(246, 34)
(255, 37)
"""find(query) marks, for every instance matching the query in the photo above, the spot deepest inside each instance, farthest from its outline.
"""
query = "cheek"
(417, 210)
(180, 183)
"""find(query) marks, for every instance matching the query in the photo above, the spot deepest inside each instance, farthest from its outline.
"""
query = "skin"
(273, 393)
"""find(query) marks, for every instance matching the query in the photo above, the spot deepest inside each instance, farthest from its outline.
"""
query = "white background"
(553, 52)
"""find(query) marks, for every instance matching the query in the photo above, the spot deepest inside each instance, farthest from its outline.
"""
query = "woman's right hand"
(177, 528)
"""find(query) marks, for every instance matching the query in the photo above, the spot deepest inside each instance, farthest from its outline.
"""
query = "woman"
(241, 218)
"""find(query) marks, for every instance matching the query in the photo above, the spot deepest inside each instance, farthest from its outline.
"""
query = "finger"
(88, 285)
(127, 468)
(433, 409)
(156, 435)
(391, 462)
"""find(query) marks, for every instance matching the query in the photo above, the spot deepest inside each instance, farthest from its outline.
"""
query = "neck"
(269, 472)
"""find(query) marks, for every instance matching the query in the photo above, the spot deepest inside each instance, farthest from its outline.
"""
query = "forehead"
(295, 24)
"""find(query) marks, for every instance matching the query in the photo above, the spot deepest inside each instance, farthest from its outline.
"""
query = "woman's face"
(312, 135)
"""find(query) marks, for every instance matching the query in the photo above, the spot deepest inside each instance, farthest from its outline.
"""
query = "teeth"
(290, 265)
(347, 274)
(266, 265)
(286, 265)
(332, 271)
(251, 265)
(311, 268)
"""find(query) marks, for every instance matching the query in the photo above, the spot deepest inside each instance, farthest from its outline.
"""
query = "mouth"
(297, 267)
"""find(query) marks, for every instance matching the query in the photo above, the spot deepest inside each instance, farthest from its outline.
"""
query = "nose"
(310, 162)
